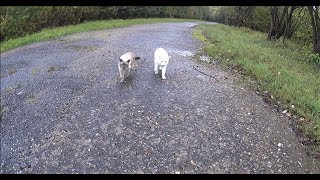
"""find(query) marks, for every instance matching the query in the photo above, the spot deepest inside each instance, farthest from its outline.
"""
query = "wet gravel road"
(64, 110)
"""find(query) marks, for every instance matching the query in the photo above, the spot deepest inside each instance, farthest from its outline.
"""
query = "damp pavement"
(64, 110)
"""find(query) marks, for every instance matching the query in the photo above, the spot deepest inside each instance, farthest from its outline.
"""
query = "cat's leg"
(156, 68)
(131, 65)
(119, 70)
(122, 77)
(164, 72)
(134, 64)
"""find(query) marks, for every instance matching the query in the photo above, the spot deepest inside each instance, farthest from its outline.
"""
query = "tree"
(296, 21)
(237, 15)
(242, 14)
(279, 21)
(315, 23)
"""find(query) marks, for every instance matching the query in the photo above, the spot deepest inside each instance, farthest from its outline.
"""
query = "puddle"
(191, 25)
(182, 53)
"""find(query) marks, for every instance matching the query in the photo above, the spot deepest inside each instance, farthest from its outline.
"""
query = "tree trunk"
(238, 16)
(287, 17)
(315, 23)
(274, 22)
(279, 23)
(295, 23)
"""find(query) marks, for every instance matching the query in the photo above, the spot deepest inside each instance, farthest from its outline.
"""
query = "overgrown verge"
(288, 75)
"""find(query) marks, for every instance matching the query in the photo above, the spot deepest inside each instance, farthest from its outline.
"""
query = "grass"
(281, 69)
(88, 26)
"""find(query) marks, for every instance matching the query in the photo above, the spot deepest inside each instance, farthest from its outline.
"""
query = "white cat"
(126, 64)
(161, 60)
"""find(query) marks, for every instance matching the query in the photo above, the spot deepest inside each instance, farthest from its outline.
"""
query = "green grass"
(88, 26)
(281, 69)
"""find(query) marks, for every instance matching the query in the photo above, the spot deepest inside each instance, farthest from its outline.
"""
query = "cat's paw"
(164, 78)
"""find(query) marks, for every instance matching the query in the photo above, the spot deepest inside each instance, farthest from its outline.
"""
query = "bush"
(259, 19)
(303, 34)
(314, 58)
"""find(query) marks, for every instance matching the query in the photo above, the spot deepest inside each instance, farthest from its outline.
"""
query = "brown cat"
(126, 64)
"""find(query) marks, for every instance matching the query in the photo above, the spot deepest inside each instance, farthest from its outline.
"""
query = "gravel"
(65, 110)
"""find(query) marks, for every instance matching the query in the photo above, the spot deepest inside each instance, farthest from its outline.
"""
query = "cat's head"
(124, 64)
(164, 61)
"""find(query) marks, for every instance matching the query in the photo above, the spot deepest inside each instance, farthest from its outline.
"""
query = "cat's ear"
(128, 60)
(120, 60)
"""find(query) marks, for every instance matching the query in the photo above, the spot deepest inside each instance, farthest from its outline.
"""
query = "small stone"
(299, 164)
(269, 165)
(280, 144)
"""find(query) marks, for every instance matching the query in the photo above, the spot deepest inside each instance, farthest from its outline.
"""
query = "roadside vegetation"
(283, 69)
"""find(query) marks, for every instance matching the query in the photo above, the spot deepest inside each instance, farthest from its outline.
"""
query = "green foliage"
(23, 20)
(259, 20)
(221, 14)
(314, 58)
(282, 69)
(303, 34)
